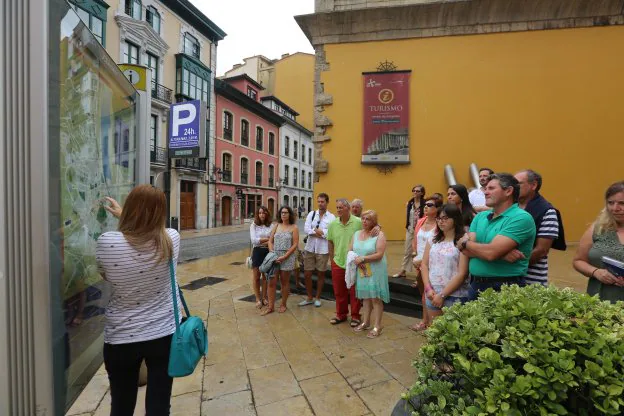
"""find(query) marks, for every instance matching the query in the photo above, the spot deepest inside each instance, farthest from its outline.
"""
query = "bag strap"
(175, 299)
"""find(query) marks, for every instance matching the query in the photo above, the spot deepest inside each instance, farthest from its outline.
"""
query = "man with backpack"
(316, 252)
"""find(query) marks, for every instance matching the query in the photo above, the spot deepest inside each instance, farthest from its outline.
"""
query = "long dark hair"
(467, 211)
(267, 220)
(291, 215)
(453, 213)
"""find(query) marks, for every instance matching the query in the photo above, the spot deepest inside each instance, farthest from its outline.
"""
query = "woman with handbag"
(138, 261)
(260, 231)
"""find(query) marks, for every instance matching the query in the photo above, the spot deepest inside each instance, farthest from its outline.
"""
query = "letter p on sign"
(179, 120)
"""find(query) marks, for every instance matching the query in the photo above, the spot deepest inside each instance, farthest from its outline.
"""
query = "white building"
(296, 158)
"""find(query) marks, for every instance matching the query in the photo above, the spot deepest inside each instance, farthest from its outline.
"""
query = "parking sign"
(187, 129)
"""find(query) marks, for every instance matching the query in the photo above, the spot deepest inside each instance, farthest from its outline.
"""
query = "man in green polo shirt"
(500, 240)
(339, 235)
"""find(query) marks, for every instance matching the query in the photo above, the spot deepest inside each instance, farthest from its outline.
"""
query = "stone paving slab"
(294, 363)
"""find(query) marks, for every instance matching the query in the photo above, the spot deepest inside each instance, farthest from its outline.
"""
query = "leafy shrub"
(523, 351)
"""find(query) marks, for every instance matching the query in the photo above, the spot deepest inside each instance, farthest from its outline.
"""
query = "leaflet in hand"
(615, 267)
(365, 270)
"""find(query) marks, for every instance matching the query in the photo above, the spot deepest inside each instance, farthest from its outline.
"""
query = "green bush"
(523, 351)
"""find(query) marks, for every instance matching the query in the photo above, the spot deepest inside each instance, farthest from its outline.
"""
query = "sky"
(256, 27)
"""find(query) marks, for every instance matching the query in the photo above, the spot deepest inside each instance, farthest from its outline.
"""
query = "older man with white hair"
(357, 206)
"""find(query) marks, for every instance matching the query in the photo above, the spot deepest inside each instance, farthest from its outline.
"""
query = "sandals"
(362, 327)
(282, 309)
(419, 327)
(374, 333)
(259, 304)
(267, 311)
(355, 322)
(336, 321)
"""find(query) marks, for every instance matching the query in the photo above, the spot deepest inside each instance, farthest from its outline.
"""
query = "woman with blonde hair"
(139, 316)
(604, 238)
(372, 273)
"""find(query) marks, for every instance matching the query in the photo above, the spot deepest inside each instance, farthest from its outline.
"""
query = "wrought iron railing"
(227, 176)
(227, 134)
(158, 155)
(244, 178)
(258, 180)
(162, 93)
(194, 163)
(271, 182)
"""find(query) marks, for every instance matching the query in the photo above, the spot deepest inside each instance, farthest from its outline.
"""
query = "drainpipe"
(474, 174)
(450, 175)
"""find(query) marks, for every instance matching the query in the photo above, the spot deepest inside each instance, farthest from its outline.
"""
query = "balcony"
(271, 182)
(227, 134)
(227, 176)
(195, 163)
(258, 180)
(158, 155)
(162, 93)
(244, 178)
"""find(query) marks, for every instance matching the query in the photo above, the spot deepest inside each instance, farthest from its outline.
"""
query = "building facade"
(296, 162)
(491, 84)
(178, 44)
(247, 151)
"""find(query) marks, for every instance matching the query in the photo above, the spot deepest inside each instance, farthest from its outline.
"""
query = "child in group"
(444, 269)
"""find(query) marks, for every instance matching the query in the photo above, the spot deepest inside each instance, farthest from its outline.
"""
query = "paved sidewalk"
(294, 363)
(184, 234)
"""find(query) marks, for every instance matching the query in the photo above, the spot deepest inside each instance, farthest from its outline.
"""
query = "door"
(187, 205)
(271, 207)
(226, 211)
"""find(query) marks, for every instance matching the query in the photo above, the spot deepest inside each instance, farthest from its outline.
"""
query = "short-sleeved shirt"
(514, 223)
(548, 228)
(477, 197)
(340, 235)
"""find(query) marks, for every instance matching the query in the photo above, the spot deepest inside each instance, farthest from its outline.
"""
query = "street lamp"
(216, 174)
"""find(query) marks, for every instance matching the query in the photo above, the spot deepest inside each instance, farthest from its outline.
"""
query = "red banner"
(386, 117)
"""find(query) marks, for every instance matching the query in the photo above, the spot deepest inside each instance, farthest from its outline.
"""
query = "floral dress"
(282, 241)
(374, 283)
(443, 265)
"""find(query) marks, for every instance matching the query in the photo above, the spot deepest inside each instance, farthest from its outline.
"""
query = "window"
(192, 85)
(251, 93)
(294, 202)
(302, 179)
(244, 170)
(94, 23)
(259, 138)
(153, 132)
(191, 45)
(303, 152)
(153, 18)
(133, 9)
(286, 201)
(152, 63)
(295, 177)
(271, 143)
(271, 176)
(226, 167)
(295, 149)
(287, 146)
(244, 132)
(286, 174)
(309, 180)
(310, 156)
(227, 125)
(131, 53)
(258, 173)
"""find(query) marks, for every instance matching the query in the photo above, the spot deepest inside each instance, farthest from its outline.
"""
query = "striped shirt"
(548, 228)
(140, 307)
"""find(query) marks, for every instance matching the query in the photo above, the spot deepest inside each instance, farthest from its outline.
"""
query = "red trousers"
(344, 296)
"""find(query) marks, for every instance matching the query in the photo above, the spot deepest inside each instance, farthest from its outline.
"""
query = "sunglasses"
(430, 205)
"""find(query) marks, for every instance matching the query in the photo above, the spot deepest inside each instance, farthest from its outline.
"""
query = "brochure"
(615, 267)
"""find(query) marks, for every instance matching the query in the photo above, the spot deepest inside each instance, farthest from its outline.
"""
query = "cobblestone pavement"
(294, 363)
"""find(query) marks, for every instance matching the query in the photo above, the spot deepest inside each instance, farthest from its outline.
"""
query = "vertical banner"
(187, 121)
(386, 117)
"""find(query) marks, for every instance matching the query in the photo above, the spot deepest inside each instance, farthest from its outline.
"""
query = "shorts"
(313, 261)
(257, 256)
(449, 301)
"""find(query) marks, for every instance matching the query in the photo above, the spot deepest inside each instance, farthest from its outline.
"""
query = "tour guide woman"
(139, 316)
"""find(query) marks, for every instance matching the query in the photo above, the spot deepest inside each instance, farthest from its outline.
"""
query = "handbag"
(189, 343)
(305, 239)
(248, 260)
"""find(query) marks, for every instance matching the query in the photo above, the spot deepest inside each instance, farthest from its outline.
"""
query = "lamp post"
(215, 175)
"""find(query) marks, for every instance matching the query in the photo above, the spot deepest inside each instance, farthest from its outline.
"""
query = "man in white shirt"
(316, 252)
(476, 196)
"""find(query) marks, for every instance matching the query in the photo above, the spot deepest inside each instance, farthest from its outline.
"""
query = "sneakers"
(317, 303)
(306, 302)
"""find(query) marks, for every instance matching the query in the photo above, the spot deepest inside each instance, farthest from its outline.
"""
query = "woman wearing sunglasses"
(414, 211)
(444, 269)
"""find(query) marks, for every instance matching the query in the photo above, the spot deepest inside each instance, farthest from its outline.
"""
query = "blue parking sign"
(187, 129)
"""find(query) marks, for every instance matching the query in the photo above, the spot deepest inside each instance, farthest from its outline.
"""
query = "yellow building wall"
(546, 100)
(294, 85)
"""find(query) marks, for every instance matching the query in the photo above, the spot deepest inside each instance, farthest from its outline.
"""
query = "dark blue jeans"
(476, 287)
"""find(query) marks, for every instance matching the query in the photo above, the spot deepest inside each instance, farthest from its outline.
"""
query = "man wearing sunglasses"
(501, 239)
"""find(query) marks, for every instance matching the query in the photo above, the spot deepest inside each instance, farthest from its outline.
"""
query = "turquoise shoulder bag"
(189, 343)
